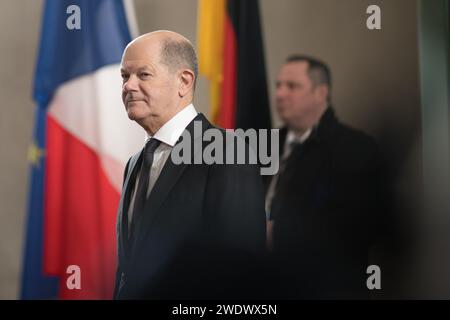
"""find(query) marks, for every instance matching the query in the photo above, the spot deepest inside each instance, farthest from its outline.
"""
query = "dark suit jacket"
(202, 229)
(325, 212)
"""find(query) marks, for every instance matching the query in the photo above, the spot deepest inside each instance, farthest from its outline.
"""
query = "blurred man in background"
(323, 203)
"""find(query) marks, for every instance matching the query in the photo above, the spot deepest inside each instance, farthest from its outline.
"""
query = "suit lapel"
(168, 178)
(283, 135)
(125, 200)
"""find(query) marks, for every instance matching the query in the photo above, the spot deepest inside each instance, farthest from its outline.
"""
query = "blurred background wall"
(376, 88)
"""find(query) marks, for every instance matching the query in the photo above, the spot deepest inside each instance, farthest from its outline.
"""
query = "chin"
(131, 115)
(135, 117)
(283, 117)
(134, 113)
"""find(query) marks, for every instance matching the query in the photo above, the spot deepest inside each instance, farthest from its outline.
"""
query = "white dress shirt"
(168, 134)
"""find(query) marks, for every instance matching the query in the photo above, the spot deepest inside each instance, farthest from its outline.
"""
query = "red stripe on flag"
(227, 118)
(80, 207)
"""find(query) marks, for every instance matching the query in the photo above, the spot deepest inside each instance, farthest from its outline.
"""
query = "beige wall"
(375, 75)
(19, 31)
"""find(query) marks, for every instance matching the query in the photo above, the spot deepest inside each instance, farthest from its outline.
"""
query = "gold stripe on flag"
(210, 35)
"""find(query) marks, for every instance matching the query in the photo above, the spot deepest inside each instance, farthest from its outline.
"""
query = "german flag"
(231, 56)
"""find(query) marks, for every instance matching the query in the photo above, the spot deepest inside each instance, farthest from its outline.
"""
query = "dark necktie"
(294, 146)
(274, 184)
(144, 177)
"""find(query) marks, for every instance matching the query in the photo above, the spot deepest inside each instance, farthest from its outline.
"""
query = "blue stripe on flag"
(34, 284)
(65, 54)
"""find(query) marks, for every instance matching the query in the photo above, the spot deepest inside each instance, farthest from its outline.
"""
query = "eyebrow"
(289, 83)
(144, 68)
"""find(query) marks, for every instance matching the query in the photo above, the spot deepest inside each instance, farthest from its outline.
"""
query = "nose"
(131, 84)
(280, 92)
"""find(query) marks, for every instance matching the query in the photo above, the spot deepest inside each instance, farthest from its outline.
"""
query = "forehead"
(293, 71)
(141, 54)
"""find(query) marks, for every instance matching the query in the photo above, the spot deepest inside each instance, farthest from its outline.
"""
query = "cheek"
(145, 91)
(166, 94)
(302, 100)
(154, 90)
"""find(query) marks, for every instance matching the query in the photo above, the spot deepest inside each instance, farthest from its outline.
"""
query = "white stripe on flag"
(90, 108)
(131, 18)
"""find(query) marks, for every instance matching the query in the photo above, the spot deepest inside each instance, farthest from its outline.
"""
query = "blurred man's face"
(149, 90)
(296, 95)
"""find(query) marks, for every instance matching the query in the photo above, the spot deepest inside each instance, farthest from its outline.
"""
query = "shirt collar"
(292, 137)
(171, 131)
(313, 132)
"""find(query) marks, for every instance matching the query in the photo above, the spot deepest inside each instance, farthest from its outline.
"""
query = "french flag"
(82, 140)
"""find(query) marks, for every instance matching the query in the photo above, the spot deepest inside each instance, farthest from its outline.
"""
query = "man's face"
(149, 90)
(296, 95)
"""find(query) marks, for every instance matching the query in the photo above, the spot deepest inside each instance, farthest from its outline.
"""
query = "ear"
(322, 92)
(187, 78)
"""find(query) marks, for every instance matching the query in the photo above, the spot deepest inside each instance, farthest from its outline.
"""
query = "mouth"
(133, 101)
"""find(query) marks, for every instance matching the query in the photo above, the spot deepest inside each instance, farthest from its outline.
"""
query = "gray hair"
(177, 54)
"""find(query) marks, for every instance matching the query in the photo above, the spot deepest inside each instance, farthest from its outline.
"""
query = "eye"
(125, 76)
(145, 74)
(293, 85)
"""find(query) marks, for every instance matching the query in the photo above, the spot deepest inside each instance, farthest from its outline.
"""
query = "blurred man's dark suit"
(200, 236)
(325, 211)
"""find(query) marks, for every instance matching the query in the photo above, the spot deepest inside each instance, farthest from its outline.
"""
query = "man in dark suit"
(323, 204)
(184, 230)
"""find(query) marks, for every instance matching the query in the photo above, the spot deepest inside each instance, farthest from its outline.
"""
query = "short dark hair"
(318, 71)
(176, 54)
